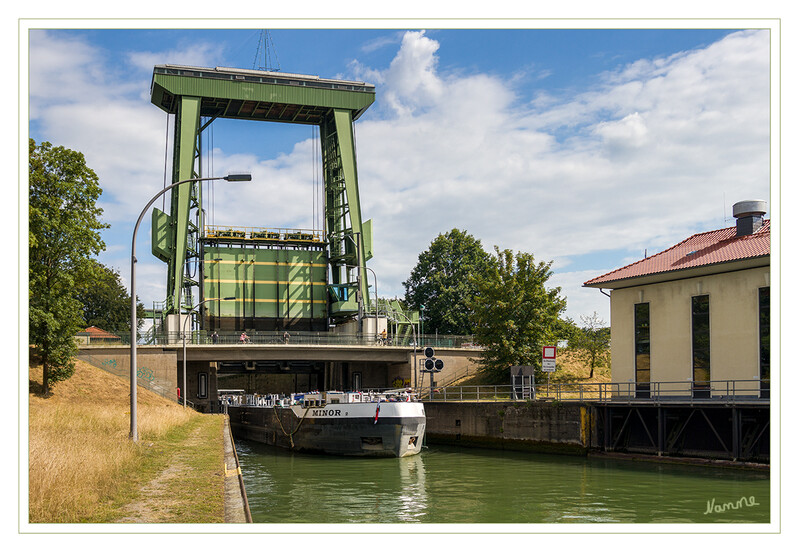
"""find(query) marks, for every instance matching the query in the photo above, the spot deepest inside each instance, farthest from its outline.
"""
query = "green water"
(461, 485)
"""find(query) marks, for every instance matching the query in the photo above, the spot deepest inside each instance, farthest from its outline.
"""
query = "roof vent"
(749, 216)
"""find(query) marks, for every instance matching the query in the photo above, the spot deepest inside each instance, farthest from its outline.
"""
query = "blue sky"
(583, 147)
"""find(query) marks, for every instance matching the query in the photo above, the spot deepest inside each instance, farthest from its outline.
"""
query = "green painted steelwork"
(193, 93)
(258, 95)
(278, 288)
(342, 203)
(162, 242)
(405, 322)
(170, 234)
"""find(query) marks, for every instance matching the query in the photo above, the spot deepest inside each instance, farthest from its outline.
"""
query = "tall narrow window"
(765, 341)
(700, 345)
(642, 350)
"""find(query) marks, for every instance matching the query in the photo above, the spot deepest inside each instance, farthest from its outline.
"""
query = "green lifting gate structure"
(280, 278)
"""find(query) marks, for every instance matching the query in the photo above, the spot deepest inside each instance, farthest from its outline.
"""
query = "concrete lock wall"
(535, 426)
(155, 366)
(458, 363)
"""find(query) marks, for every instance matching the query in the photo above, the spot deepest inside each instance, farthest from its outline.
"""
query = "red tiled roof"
(708, 248)
(94, 331)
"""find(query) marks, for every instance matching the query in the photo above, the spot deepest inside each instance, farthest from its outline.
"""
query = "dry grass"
(569, 370)
(79, 446)
(572, 370)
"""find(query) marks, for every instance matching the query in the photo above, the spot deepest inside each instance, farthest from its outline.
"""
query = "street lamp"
(374, 274)
(233, 177)
(188, 316)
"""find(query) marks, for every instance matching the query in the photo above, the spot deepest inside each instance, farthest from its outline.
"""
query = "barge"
(389, 424)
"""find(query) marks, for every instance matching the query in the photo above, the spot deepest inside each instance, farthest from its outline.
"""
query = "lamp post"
(234, 177)
(374, 274)
(421, 320)
(183, 329)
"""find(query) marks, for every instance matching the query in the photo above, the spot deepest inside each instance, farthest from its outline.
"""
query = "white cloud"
(411, 80)
(640, 160)
(82, 102)
(580, 300)
(195, 54)
(654, 150)
(382, 41)
(62, 70)
(619, 136)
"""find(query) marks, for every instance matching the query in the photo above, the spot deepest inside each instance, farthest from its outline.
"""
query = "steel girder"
(192, 93)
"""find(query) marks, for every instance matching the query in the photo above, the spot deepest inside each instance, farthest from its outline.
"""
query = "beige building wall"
(734, 330)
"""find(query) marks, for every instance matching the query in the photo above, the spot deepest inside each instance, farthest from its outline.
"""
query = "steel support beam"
(194, 92)
(187, 125)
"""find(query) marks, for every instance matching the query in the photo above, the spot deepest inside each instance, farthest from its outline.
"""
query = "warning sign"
(548, 358)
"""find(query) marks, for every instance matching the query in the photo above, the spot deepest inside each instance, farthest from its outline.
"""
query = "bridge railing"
(724, 391)
(280, 338)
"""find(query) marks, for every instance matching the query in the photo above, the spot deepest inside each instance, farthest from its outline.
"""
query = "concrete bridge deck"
(328, 366)
(267, 352)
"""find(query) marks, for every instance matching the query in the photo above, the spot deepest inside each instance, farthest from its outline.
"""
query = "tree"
(105, 302)
(514, 314)
(63, 235)
(443, 282)
(592, 342)
(565, 329)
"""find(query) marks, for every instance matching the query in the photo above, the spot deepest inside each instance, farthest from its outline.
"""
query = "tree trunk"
(45, 379)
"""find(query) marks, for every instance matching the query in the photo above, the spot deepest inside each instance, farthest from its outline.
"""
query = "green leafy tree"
(63, 234)
(443, 282)
(105, 302)
(515, 315)
(591, 343)
(566, 330)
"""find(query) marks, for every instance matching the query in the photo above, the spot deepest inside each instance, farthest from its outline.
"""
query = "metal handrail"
(717, 391)
(267, 234)
(295, 338)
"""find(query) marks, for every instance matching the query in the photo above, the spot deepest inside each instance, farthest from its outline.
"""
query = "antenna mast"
(265, 42)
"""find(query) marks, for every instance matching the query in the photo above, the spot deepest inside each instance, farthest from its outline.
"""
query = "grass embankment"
(83, 468)
(570, 370)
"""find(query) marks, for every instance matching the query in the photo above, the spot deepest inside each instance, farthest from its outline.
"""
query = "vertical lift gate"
(194, 95)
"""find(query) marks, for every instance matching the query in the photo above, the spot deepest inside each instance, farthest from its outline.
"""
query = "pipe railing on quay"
(713, 392)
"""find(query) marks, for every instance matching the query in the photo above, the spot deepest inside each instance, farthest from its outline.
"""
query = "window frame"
(700, 388)
(765, 383)
(642, 388)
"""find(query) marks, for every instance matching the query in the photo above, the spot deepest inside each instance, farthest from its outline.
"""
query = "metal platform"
(709, 429)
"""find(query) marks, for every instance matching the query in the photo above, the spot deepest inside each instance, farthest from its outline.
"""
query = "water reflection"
(455, 485)
(412, 497)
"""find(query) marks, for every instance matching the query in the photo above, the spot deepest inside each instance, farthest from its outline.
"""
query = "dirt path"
(155, 504)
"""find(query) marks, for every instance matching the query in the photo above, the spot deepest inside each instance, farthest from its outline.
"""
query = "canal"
(463, 485)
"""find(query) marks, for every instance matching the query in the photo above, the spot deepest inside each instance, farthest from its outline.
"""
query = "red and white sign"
(548, 358)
